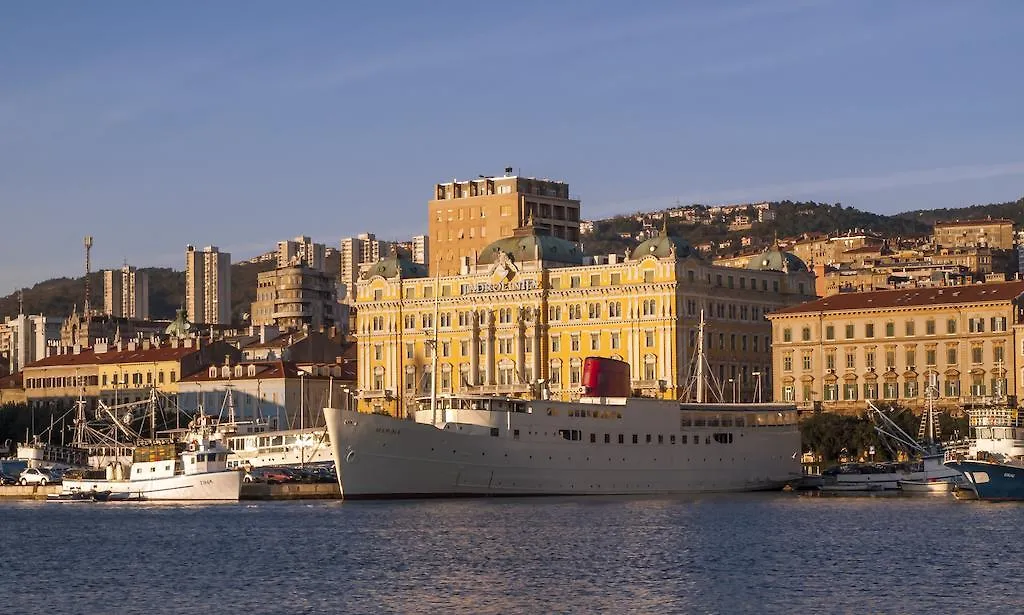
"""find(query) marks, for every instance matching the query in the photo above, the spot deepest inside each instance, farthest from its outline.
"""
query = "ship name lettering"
(389, 430)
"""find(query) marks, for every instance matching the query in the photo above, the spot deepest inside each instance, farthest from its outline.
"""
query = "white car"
(35, 476)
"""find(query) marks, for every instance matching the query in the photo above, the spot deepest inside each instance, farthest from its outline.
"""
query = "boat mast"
(700, 359)
(433, 354)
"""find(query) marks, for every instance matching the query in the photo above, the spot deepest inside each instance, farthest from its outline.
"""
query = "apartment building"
(355, 255)
(996, 234)
(295, 297)
(466, 216)
(126, 293)
(208, 285)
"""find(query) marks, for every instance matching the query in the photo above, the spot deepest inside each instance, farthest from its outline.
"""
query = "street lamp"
(732, 384)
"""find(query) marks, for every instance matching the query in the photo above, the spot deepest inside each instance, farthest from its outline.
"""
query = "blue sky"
(154, 125)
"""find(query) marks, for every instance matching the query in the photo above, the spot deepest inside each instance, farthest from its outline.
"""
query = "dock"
(250, 491)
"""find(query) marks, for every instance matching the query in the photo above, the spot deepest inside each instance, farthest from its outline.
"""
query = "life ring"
(192, 445)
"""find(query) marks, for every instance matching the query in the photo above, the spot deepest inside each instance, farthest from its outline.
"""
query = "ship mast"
(433, 354)
(700, 359)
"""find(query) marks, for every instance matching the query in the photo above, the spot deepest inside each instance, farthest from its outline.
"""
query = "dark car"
(7, 479)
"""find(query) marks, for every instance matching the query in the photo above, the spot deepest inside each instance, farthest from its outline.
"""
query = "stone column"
(490, 378)
(474, 349)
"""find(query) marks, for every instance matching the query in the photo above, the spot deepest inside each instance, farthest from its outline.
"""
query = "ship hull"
(207, 486)
(378, 456)
(992, 481)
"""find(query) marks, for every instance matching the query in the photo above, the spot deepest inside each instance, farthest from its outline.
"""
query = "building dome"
(393, 266)
(522, 248)
(663, 245)
(776, 259)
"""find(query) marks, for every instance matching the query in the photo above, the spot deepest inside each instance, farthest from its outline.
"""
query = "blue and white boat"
(994, 460)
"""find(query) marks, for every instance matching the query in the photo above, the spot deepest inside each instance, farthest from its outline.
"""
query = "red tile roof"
(911, 297)
(88, 356)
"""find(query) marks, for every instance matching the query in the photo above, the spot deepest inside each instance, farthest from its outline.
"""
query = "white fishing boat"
(924, 487)
(193, 469)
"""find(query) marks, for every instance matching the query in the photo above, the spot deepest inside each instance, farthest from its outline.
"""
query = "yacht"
(603, 443)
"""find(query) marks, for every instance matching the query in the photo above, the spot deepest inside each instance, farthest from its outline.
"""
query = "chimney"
(76, 349)
(100, 347)
(146, 344)
(174, 342)
(132, 345)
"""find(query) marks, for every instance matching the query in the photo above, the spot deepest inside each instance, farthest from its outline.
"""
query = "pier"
(250, 491)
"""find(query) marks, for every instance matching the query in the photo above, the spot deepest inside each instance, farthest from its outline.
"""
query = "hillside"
(1011, 210)
(792, 219)
(59, 296)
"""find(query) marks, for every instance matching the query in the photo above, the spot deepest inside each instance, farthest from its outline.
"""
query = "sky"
(238, 124)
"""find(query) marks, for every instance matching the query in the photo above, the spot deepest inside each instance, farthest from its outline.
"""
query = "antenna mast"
(88, 266)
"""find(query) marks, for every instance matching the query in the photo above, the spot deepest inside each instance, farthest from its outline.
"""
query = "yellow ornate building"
(890, 345)
(531, 308)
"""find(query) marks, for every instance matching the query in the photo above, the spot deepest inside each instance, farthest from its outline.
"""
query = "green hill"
(792, 219)
(59, 296)
(1011, 210)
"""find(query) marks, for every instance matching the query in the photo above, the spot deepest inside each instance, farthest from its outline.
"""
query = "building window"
(595, 341)
(787, 335)
(890, 359)
(890, 329)
(806, 360)
(870, 390)
(556, 343)
(830, 360)
(574, 281)
(787, 363)
(977, 353)
(831, 392)
(869, 359)
(615, 341)
(951, 326)
(830, 332)
(998, 355)
(378, 352)
(574, 375)
(849, 332)
(909, 328)
(929, 357)
(976, 325)
(869, 330)
(615, 309)
(574, 342)
(891, 390)
(787, 392)
(951, 356)
(850, 392)
(851, 360)
(649, 338)
(952, 388)
(911, 359)
(910, 389)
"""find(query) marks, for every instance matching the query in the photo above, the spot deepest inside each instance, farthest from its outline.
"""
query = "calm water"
(766, 553)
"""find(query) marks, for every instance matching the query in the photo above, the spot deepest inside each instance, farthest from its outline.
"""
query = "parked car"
(36, 476)
(268, 475)
(7, 479)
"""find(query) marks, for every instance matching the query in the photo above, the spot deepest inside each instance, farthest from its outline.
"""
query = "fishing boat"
(925, 473)
(192, 469)
(993, 462)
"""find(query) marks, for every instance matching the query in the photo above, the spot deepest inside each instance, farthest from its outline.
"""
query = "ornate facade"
(957, 344)
(530, 309)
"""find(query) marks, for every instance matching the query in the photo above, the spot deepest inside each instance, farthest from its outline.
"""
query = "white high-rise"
(421, 249)
(208, 285)
(126, 293)
(302, 251)
(363, 249)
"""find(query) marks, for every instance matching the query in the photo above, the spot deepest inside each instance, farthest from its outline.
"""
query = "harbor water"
(756, 553)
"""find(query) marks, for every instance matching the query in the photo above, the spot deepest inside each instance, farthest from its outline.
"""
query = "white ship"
(194, 469)
(277, 448)
(477, 445)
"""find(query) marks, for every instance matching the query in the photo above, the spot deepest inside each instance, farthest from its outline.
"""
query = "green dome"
(393, 266)
(529, 247)
(663, 245)
(775, 259)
